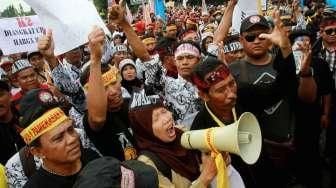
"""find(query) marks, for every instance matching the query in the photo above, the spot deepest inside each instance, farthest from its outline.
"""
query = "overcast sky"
(4, 4)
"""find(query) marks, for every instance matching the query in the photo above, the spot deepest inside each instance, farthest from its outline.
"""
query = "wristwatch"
(310, 73)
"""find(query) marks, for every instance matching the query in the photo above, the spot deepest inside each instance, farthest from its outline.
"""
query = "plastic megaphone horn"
(242, 138)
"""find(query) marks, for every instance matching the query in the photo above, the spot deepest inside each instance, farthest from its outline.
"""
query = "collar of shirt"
(330, 49)
(183, 81)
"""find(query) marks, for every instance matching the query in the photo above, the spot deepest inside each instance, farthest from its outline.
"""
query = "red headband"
(221, 73)
(327, 23)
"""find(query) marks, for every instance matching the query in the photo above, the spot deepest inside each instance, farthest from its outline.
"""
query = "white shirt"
(181, 97)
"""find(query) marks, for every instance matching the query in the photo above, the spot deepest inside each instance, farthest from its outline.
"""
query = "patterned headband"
(221, 73)
(186, 49)
(43, 124)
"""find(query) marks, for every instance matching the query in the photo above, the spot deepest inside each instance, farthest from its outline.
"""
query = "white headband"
(233, 46)
(187, 49)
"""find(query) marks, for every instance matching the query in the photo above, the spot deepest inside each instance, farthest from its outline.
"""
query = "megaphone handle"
(222, 176)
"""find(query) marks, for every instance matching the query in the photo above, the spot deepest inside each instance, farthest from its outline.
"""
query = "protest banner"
(243, 9)
(19, 34)
(71, 21)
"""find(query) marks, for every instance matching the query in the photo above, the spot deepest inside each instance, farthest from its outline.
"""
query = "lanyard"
(220, 123)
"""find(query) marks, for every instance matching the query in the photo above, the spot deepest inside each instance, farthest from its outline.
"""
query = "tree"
(101, 6)
(31, 12)
(10, 11)
(21, 11)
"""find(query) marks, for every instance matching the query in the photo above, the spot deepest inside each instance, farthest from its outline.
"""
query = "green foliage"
(11, 11)
(101, 6)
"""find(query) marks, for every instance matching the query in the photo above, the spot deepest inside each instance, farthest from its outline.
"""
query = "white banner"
(19, 34)
(70, 20)
(243, 9)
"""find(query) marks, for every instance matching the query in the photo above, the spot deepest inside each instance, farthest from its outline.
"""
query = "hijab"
(181, 160)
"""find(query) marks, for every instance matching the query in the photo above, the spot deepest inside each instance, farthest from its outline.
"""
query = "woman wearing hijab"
(157, 138)
(129, 76)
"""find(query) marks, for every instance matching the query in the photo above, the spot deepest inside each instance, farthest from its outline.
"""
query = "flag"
(243, 9)
(331, 3)
(146, 14)
(204, 7)
(160, 9)
(302, 3)
(129, 15)
(185, 3)
(151, 6)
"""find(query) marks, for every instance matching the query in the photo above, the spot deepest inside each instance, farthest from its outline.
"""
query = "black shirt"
(203, 120)
(45, 179)
(324, 82)
(10, 140)
(115, 136)
(268, 91)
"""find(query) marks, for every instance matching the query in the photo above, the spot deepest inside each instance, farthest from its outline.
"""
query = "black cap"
(109, 172)
(253, 20)
(38, 101)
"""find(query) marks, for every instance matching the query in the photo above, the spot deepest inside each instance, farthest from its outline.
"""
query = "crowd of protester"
(110, 113)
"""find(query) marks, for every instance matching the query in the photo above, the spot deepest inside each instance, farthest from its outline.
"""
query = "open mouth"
(171, 129)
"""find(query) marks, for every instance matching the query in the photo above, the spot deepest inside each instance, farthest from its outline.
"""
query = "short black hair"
(298, 33)
(35, 143)
(30, 55)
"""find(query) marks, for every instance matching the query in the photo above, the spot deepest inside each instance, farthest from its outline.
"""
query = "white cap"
(119, 48)
(20, 65)
(125, 62)
(207, 34)
(117, 33)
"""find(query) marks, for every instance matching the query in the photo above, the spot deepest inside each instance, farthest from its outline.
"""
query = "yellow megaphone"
(242, 138)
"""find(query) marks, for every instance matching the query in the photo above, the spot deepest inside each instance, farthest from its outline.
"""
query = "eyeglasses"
(251, 37)
(330, 31)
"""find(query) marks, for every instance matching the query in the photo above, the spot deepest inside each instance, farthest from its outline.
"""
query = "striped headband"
(187, 48)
